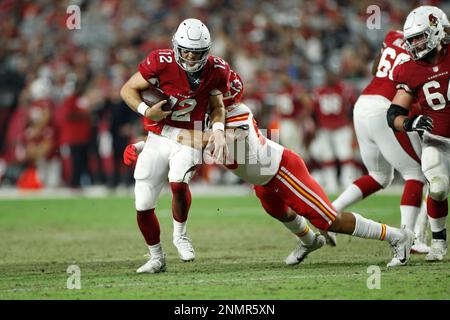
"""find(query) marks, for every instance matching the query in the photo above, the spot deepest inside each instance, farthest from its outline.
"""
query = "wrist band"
(142, 107)
(218, 126)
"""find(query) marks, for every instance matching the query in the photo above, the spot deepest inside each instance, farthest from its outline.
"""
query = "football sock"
(350, 196)
(181, 200)
(410, 203)
(361, 188)
(368, 185)
(300, 228)
(437, 214)
(422, 221)
(409, 216)
(369, 229)
(179, 228)
(149, 226)
(155, 250)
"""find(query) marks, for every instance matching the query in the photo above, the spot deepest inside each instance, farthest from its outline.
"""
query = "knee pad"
(384, 179)
(439, 188)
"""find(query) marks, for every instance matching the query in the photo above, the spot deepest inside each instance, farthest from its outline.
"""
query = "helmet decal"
(433, 20)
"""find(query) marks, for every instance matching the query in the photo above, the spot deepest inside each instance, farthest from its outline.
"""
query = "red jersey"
(393, 53)
(160, 67)
(332, 106)
(236, 91)
(429, 83)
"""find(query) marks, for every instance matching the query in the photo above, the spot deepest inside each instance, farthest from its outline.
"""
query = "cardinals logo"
(433, 20)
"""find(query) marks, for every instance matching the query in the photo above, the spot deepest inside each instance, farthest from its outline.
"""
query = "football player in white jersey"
(282, 183)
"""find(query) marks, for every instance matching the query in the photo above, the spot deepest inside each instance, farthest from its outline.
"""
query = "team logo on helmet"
(433, 20)
(236, 85)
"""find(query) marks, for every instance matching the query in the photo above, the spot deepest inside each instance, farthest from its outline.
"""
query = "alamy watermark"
(374, 279)
(374, 20)
(74, 280)
(73, 21)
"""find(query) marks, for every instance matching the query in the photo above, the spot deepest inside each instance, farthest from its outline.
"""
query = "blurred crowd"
(63, 123)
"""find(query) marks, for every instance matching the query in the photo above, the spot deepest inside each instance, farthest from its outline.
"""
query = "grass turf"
(240, 254)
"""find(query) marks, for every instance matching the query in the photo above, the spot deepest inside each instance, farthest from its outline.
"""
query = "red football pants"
(294, 187)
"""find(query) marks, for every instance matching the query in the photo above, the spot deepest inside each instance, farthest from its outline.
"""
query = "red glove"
(130, 155)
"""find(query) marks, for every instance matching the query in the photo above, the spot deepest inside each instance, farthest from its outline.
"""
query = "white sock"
(350, 196)
(300, 228)
(155, 250)
(369, 229)
(422, 220)
(438, 224)
(409, 216)
(179, 228)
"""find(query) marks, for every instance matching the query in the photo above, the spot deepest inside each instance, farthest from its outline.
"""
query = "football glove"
(130, 155)
(418, 123)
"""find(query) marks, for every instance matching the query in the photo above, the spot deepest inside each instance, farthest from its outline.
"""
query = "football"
(154, 95)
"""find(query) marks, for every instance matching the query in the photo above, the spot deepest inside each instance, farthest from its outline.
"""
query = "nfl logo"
(436, 69)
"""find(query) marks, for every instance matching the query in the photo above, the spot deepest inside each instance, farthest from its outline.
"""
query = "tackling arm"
(218, 127)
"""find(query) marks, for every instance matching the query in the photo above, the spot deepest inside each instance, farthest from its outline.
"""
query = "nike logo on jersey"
(148, 61)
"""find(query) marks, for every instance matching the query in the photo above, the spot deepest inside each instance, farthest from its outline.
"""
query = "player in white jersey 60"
(382, 149)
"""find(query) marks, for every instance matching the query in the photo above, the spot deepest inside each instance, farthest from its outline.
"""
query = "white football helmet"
(422, 22)
(444, 20)
(191, 35)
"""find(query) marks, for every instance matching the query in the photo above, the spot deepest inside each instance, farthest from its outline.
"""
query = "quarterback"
(194, 80)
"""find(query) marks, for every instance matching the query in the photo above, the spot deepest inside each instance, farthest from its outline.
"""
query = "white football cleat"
(156, 264)
(438, 250)
(330, 237)
(420, 247)
(302, 250)
(185, 249)
(401, 249)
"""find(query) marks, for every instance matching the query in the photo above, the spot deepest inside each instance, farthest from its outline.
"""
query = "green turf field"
(240, 254)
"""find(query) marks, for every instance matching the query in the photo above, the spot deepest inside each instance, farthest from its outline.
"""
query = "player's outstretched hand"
(130, 155)
(155, 112)
(220, 145)
(418, 123)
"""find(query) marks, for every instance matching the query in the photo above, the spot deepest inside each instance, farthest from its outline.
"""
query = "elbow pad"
(393, 112)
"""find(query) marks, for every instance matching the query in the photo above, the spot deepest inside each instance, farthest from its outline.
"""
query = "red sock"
(149, 226)
(367, 185)
(181, 200)
(412, 193)
(437, 209)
